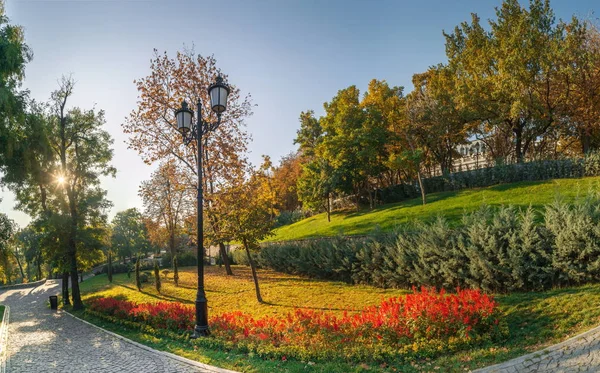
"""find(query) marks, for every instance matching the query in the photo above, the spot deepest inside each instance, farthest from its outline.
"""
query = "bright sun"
(60, 179)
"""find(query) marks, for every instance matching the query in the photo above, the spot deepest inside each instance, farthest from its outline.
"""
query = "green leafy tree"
(30, 239)
(436, 125)
(509, 76)
(317, 181)
(15, 54)
(7, 230)
(84, 153)
(252, 213)
(129, 235)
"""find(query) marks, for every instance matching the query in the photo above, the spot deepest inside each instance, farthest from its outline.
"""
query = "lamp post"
(218, 93)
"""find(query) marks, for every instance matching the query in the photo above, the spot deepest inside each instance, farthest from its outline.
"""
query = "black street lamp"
(218, 93)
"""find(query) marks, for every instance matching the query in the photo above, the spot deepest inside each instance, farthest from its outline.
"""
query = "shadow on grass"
(519, 185)
(306, 307)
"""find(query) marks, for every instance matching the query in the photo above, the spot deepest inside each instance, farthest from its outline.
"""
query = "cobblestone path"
(42, 340)
(578, 354)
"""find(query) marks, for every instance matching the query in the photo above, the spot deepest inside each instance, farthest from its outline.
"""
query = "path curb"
(184, 360)
(4, 339)
(535, 355)
(23, 286)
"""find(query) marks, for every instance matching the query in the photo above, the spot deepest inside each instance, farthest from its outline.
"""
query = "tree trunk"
(225, 259)
(585, 143)
(329, 207)
(20, 266)
(109, 267)
(138, 280)
(39, 267)
(254, 276)
(421, 187)
(518, 143)
(175, 270)
(72, 257)
(65, 288)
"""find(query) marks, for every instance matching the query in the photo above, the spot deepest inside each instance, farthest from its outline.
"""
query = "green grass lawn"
(282, 293)
(451, 205)
(1, 312)
(535, 319)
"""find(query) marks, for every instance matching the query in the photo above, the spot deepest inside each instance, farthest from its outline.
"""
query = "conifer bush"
(507, 249)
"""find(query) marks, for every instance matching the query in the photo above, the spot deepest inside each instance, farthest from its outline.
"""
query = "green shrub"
(576, 246)
(501, 250)
(530, 254)
(184, 259)
(117, 268)
(437, 260)
(499, 174)
(289, 217)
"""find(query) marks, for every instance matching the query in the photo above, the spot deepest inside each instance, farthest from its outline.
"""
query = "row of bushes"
(499, 174)
(423, 323)
(185, 259)
(500, 250)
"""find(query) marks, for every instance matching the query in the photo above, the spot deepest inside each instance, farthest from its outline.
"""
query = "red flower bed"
(421, 322)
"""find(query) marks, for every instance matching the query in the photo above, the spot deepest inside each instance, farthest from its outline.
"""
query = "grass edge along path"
(536, 320)
(451, 205)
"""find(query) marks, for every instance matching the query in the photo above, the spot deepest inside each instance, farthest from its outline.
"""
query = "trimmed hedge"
(185, 259)
(502, 250)
(499, 174)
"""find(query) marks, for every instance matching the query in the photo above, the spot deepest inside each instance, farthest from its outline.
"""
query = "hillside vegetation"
(451, 205)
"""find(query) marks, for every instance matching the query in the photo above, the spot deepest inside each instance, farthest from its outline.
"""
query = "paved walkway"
(42, 340)
(578, 354)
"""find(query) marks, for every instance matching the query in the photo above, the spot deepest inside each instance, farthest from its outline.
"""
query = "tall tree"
(168, 201)
(285, 180)
(30, 239)
(83, 149)
(318, 180)
(509, 76)
(252, 213)
(153, 129)
(435, 123)
(129, 236)
(580, 65)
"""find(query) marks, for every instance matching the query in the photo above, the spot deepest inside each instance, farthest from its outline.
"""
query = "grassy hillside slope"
(452, 205)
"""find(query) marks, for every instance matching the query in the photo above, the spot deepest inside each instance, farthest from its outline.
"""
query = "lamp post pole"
(218, 93)
(201, 328)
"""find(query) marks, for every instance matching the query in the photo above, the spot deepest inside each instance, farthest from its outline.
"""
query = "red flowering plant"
(425, 322)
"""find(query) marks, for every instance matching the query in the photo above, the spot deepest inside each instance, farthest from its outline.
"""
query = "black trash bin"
(53, 302)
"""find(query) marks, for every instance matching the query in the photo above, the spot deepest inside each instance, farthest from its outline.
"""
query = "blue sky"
(289, 55)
